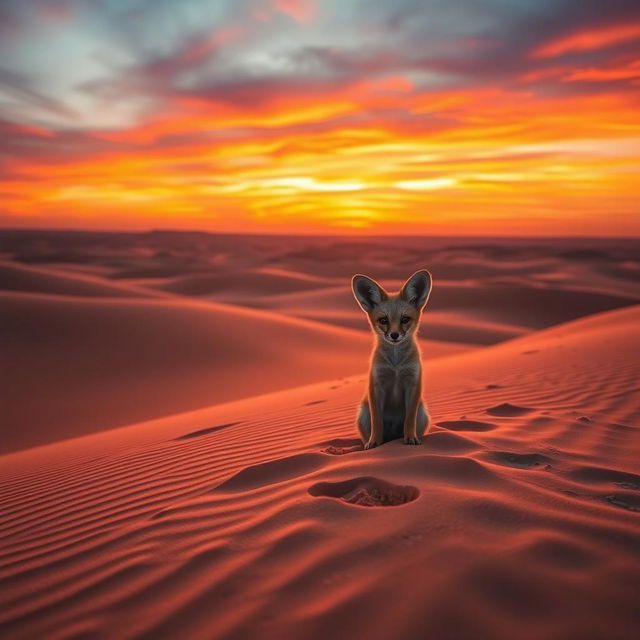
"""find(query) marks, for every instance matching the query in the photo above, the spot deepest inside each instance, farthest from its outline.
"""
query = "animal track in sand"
(466, 425)
(208, 430)
(519, 460)
(602, 475)
(366, 492)
(628, 501)
(507, 410)
(342, 446)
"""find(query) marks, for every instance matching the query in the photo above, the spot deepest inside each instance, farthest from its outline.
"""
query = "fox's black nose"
(394, 336)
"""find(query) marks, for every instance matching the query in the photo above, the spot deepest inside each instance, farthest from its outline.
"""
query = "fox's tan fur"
(393, 405)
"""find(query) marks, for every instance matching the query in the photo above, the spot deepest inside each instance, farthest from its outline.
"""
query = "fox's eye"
(405, 319)
(383, 320)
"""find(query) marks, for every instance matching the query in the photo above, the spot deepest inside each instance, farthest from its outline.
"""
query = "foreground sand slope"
(518, 517)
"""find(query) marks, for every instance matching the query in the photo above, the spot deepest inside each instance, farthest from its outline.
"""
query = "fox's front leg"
(376, 406)
(412, 394)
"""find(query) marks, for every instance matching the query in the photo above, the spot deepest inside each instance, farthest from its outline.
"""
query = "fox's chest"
(395, 381)
(396, 392)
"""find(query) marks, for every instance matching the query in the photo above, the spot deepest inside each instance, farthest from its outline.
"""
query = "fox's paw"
(412, 440)
(371, 444)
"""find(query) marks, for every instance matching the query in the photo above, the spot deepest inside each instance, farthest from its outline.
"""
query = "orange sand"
(518, 517)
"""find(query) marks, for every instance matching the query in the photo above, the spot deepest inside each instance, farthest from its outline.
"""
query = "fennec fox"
(393, 405)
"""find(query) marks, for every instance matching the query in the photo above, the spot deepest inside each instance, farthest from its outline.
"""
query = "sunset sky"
(322, 116)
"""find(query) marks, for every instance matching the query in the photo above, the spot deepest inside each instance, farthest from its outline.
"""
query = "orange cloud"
(589, 40)
(627, 71)
(543, 74)
(489, 160)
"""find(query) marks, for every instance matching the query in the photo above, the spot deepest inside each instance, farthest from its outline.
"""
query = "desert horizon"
(354, 234)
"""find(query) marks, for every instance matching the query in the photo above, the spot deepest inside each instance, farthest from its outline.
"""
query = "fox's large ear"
(417, 288)
(368, 292)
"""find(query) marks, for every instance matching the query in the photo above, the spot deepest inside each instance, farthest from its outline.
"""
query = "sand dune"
(260, 516)
(17, 277)
(469, 313)
(238, 285)
(518, 517)
(75, 362)
(73, 366)
(472, 313)
(486, 292)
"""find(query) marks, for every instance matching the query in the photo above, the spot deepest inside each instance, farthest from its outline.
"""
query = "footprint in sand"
(507, 410)
(628, 501)
(342, 446)
(204, 432)
(308, 404)
(366, 492)
(519, 460)
(603, 475)
(466, 425)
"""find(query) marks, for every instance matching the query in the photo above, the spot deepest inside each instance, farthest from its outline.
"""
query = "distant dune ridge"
(23, 278)
(182, 460)
(131, 323)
